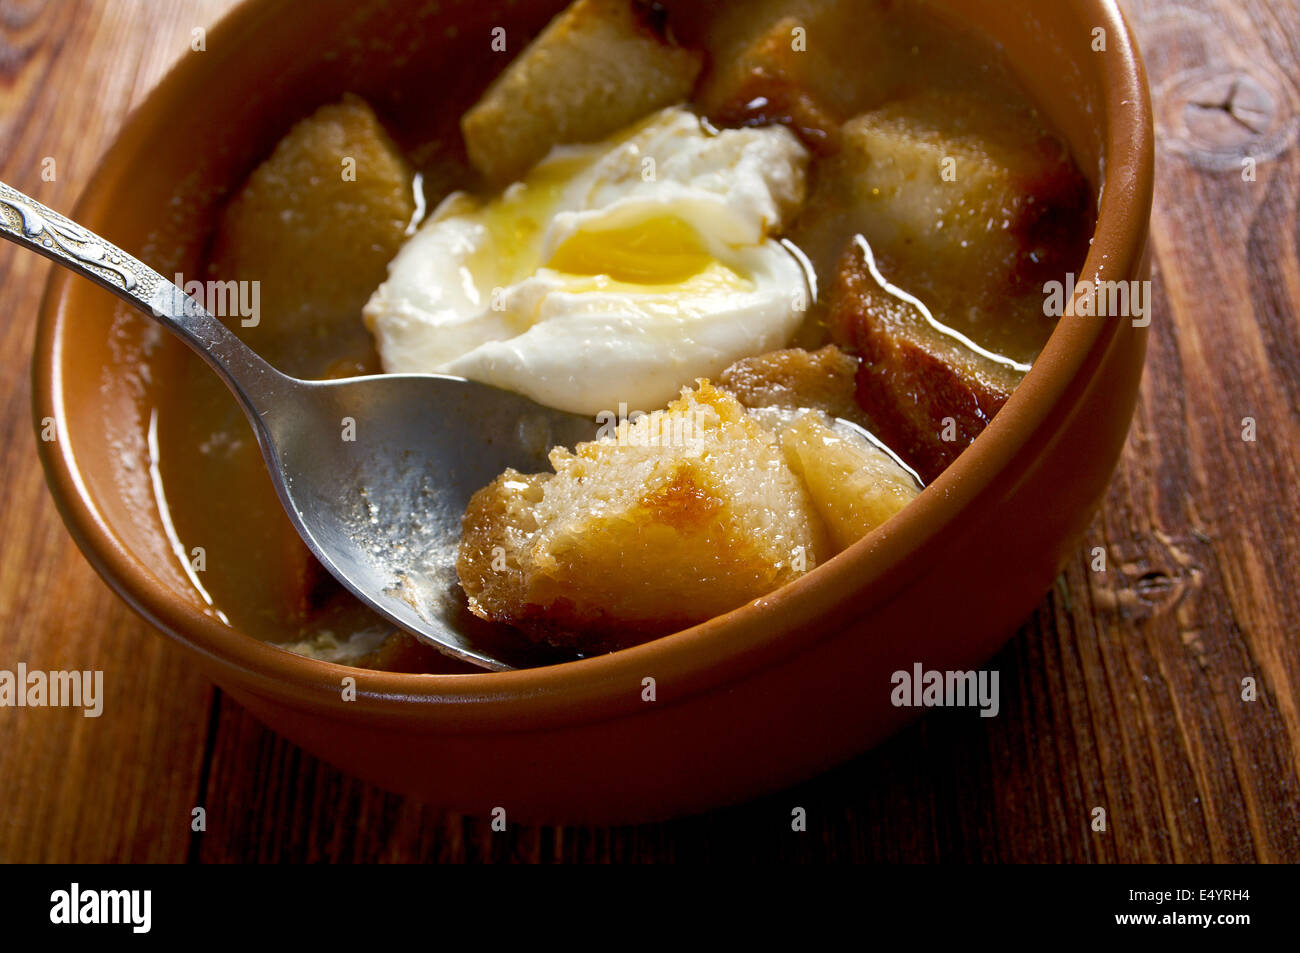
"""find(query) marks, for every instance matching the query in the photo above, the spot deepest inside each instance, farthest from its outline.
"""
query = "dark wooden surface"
(1123, 691)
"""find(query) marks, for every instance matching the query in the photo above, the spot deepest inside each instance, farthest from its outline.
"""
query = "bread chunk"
(597, 67)
(663, 523)
(928, 391)
(951, 184)
(282, 230)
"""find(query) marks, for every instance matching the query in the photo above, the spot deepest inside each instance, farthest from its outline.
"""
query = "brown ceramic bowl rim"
(702, 658)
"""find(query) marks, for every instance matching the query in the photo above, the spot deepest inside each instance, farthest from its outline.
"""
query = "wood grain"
(1124, 691)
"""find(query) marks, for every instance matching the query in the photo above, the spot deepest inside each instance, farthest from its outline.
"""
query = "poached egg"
(612, 274)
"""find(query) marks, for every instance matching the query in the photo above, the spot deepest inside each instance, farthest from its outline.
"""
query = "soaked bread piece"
(678, 517)
(336, 173)
(597, 67)
(966, 188)
(929, 393)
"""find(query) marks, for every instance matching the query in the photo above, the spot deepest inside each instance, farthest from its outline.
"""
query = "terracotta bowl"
(749, 702)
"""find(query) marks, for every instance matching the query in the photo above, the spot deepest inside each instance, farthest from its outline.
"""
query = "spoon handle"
(30, 224)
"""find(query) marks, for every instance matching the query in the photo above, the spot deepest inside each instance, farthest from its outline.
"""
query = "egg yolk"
(658, 251)
(657, 255)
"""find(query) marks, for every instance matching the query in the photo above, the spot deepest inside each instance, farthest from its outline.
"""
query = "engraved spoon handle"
(30, 224)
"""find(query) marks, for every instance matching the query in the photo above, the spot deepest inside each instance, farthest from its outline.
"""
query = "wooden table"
(1123, 691)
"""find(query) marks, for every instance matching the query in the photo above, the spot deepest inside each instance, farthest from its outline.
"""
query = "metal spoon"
(374, 472)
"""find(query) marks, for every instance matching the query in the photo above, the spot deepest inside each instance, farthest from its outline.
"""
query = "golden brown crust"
(629, 540)
(495, 518)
